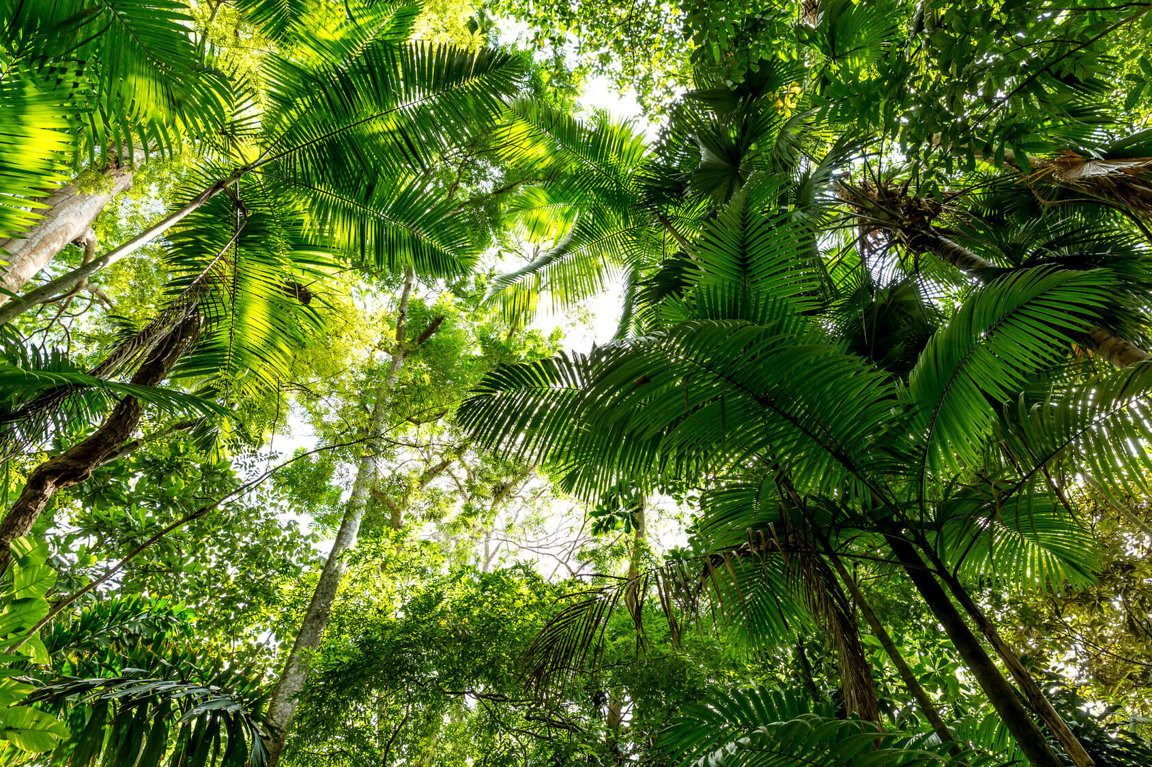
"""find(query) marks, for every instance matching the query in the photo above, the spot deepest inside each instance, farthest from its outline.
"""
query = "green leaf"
(31, 730)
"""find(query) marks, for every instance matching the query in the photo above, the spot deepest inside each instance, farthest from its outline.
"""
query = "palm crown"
(828, 410)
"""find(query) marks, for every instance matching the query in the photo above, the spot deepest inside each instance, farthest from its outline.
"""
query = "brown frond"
(1123, 182)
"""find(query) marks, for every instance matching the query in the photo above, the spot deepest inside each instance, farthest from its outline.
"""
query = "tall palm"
(339, 161)
(745, 384)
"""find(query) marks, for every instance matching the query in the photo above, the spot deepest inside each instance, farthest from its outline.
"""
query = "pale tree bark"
(67, 282)
(285, 698)
(486, 524)
(615, 718)
(1123, 183)
(810, 12)
(396, 508)
(76, 277)
(69, 216)
(78, 462)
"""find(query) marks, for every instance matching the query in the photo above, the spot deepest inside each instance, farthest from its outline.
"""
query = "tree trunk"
(615, 718)
(1036, 697)
(77, 276)
(1001, 694)
(806, 669)
(910, 220)
(282, 705)
(78, 462)
(70, 214)
(931, 713)
(1113, 348)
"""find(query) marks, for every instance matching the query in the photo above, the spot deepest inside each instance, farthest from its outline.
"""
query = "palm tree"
(750, 138)
(744, 383)
(92, 88)
(338, 162)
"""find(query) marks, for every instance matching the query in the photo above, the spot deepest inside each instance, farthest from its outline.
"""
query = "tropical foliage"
(373, 391)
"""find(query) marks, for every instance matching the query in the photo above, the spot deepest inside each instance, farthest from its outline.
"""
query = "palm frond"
(141, 720)
(1008, 331)
(1099, 428)
(764, 728)
(36, 400)
(1028, 538)
(33, 150)
(394, 106)
(142, 80)
(697, 398)
(761, 255)
(389, 226)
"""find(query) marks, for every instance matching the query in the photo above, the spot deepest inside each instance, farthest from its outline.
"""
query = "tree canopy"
(315, 451)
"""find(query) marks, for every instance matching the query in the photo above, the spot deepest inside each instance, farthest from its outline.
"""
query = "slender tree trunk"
(931, 713)
(1028, 685)
(78, 462)
(70, 214)
(615, 718)
(282, 705)
(76, 277)
(1001, 694)
(922, 237)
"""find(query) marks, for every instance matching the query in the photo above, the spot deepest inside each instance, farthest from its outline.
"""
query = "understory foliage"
(316, 450)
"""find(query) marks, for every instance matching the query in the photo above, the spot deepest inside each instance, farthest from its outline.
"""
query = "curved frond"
(1025, 539)
(692, 401)
(763, 728)
(1013, 327)
(393, 106)
(1099, 428)
(33, 150)
(142, 720)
